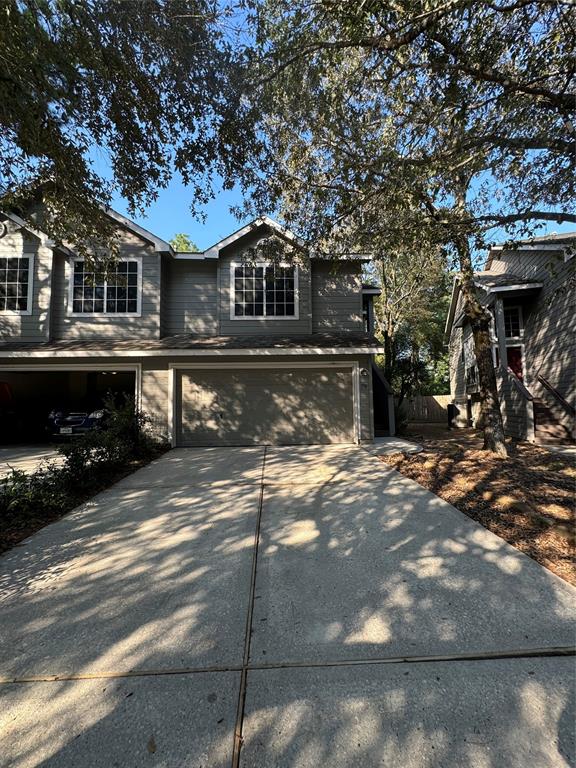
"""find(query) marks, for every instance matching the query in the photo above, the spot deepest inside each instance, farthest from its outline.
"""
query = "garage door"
(262, 406)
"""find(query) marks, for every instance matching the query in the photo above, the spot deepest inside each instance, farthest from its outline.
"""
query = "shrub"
(91, 462)
(124, 437)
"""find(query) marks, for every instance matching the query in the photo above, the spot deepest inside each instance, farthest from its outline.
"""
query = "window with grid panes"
(14, 283)
(264, 291)
(113, 292)
(512, 322)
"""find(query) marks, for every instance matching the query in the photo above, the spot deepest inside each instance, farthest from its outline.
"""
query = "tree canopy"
(103, 96)
(384, 104)
(182, 242)
(417, 122)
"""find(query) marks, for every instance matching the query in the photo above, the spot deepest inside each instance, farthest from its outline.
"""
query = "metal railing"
(553, 391)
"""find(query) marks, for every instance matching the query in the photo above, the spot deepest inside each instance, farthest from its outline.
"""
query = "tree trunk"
(479, 319)
(388, 355)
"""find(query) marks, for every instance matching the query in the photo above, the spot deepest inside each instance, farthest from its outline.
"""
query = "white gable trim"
(157, 242)
(261, 221)
(255, 352)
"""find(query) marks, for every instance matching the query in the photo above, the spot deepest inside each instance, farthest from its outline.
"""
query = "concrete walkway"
(26, 458)
(309, 604)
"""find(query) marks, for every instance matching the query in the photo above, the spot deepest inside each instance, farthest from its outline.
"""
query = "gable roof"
(160, 246)
(262, 221)
(213, 252)
(554, 242)
(489, 282)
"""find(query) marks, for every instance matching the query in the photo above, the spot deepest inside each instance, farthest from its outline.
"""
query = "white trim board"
(264, 352)
(506, 288)
(559, 247)
(135, 368)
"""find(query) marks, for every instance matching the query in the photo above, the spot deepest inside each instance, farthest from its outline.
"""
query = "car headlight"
(97, 415)
(55, 414)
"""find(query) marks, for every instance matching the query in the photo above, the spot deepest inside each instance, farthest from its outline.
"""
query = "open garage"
(29, 395)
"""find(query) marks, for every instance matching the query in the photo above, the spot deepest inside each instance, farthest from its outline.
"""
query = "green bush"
(123, 438)
(22, 495)
(90, 463)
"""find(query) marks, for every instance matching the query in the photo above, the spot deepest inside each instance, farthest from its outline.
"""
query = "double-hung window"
(513, 322)
(115, 291)
(264, 290)
(16, 284)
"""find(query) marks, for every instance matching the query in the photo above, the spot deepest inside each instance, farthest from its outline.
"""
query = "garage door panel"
(282, 407)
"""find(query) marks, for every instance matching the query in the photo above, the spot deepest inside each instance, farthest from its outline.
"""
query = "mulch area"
(528, 498)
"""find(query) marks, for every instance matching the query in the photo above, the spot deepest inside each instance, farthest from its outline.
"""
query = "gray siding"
(164, 278)
(549, 319)
(35, 326)
(336, 297)
(366, 402)
(262, 326)
(514, 408)
(147, 325)
(190, 298)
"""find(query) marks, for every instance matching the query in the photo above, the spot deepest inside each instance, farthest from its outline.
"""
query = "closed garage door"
(262, 406)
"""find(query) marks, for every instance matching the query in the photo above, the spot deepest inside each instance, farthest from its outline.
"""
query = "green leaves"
(182, 243)
(447, 117)
(111, 97)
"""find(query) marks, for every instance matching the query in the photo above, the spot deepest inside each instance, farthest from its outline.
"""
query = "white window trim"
(71, 313)
(521, 321)
(30, 295)
(264, 318)
(511, 343)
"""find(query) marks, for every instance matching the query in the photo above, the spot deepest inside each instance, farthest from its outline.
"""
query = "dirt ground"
(527, 499)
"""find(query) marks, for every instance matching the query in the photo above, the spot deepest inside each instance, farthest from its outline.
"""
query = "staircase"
(547, 429)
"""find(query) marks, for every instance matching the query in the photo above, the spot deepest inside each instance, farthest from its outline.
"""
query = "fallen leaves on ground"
(526, 498)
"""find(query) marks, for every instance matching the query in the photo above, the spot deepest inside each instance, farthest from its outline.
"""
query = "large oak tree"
(104, 96)
(417, 122)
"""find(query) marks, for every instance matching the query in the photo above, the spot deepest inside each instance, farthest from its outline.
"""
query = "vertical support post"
(501, 333)
(391, 416)
(356, 399)
(530, 431)
(172, 406)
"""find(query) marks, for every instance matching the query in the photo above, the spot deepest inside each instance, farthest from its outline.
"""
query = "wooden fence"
(427, 408)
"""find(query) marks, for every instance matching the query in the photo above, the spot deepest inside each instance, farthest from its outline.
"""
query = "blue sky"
(171, 214)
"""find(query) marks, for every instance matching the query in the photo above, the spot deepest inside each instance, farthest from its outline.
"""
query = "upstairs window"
(15, 284)
(262, 290)
(512, 322)
(114, 292)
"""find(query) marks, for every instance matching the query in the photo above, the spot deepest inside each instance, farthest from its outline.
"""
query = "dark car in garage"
(68, 422)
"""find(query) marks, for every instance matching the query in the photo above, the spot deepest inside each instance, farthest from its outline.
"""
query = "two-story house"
(530, 292)
(217, 348)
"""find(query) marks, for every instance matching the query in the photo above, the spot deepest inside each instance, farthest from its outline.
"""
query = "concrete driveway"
(308, 604)
(26, 458)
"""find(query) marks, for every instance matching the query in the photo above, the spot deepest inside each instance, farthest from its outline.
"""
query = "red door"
(514, 357)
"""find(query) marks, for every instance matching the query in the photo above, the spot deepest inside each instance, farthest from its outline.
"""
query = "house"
(222, 347)
(529, 290)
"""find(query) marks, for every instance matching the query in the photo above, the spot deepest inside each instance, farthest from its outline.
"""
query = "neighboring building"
(530, 293)
(217, 350)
